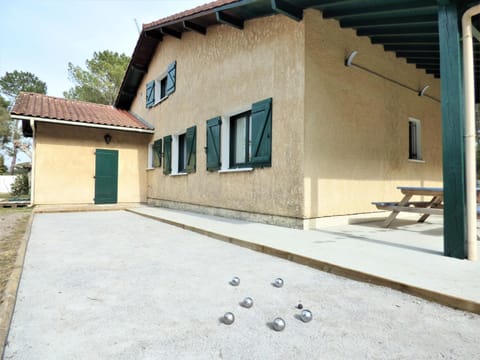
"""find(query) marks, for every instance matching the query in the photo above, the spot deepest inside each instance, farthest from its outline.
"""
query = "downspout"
(469, 91)
(32, 177)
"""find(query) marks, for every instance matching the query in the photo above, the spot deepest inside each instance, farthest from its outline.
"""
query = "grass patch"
(13, 224)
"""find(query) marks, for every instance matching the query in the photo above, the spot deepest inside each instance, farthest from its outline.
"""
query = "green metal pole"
(455, 224)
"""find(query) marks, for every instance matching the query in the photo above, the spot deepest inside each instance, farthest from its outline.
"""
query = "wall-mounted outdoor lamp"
(107, 138)
(423, 91)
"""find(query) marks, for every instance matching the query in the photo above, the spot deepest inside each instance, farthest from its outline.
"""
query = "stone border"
(430, 295)
(8, 306)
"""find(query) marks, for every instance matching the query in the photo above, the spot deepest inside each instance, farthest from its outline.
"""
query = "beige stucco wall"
(64, 164)
(223, 73)
(356, 124)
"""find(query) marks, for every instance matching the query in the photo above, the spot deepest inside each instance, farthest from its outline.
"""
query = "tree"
(3, 168)
(101, 81)
(13, 82)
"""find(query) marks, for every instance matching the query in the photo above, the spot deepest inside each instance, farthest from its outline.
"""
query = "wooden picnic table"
(433, 206)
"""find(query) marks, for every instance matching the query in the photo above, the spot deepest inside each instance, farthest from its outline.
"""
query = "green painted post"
(455, 234)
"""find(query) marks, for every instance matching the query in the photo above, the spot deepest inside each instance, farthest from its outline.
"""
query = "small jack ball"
(300, 306)
(228, 318)
(235, 281)
(278, 324)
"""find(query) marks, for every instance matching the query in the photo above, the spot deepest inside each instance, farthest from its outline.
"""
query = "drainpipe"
(469, 91)
(32, 175)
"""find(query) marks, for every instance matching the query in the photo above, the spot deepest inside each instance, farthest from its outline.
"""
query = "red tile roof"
(49, 107)
(194, 11)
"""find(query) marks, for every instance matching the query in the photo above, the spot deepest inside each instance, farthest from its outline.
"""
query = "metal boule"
(278, 324)
(306, 316)
(247, 302)
(228, 318)
(278, 282)
(235, 281)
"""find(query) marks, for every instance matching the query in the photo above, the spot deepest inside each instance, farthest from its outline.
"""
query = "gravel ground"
(114, 285)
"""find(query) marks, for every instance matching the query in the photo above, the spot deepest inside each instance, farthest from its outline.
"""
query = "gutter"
(32, 172)
(75, 123)
(470, 161)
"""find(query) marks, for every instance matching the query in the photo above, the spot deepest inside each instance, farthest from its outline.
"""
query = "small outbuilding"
(83, 153)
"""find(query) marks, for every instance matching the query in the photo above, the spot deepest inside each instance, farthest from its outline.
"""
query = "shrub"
(20, 185)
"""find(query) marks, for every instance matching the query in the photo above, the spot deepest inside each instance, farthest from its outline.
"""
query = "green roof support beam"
(404, 39)
(194, 27)
(154, 34)
(224, 18)
(454, 217)
(171, 32)
(287, 9)
(367, 22)
(421, 29)
(400, 8)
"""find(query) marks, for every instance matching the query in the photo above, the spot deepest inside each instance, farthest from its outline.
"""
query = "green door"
(106, 176)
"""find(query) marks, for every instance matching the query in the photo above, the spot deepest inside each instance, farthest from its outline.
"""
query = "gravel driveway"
(114, 285)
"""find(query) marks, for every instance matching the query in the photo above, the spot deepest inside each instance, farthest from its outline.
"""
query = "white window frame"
(158, 84)
(417, 139)
(175, 153)
(225, 141)
(150, 157)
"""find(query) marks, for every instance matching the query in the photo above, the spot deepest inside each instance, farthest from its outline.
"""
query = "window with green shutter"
(191, 138)
(167, 154)
(163, 86)
(213, 143)
(157, 153)
(250, 135)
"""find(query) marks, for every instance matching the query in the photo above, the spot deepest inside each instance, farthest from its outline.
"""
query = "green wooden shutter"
(157, 153)
(191, 137)
(262, 133)
(167, 153)
(213, 143)
(150, 94)
(171, 77)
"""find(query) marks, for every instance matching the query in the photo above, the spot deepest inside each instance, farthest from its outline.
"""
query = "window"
(155, 154)
(160, 88)
(243, 141)
(180, 152)
(414, 139)
(240, 140)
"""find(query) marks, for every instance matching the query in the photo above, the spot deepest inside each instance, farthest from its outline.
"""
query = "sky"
(43, 36)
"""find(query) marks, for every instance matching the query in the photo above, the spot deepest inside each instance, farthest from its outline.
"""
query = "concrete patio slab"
(114, 285)
(406, 257)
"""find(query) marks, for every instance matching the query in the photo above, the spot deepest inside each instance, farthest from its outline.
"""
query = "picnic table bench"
(432, 207)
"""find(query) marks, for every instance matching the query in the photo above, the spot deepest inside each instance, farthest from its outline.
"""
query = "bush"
(20, 185)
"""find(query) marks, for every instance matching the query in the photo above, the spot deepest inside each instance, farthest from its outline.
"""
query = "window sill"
(161, 100)
(235, 170)
(179, 174)
(150, 169)
(417, 161)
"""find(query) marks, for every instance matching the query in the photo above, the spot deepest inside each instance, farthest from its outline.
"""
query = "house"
(83, 153)
(262, 120)
(288, 112)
